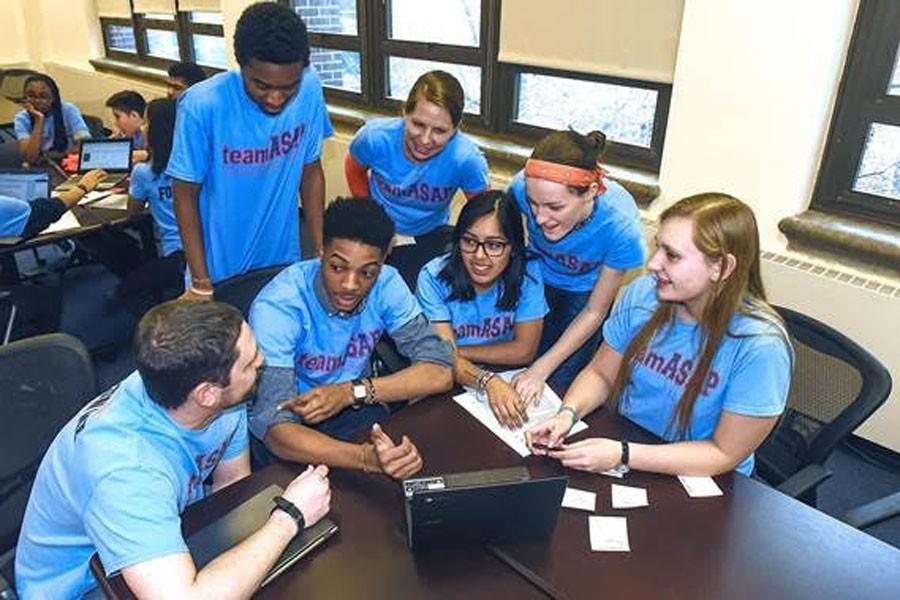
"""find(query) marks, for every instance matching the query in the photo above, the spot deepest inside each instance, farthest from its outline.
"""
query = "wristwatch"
(360, 394)
(282, 503)
(623, 467)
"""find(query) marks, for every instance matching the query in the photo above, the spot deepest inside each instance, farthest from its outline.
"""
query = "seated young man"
(128, 108)
(183, 75)
(118, 476)
(317, 323)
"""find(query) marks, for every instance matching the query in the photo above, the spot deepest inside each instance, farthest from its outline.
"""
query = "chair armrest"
(873, 512)
(804, 480)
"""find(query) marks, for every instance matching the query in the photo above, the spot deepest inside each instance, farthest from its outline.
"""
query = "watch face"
(621, 469)
(359, 392)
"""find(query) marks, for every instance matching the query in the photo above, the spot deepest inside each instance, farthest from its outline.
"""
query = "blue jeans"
(564, 307)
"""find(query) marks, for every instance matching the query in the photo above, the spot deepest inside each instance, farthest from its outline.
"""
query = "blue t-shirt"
(611, 237)
(750, 374)
(138, 141)
(294, 329)
(116, 480)
(14, 215)
(156, 190)
(249, 165)
(417, 196)
(479, 321)
(76, 128)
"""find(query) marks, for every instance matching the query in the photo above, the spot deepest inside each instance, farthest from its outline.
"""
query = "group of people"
(529, 277)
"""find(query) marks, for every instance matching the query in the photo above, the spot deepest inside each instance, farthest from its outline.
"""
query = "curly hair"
(272, 33)
(358, 219)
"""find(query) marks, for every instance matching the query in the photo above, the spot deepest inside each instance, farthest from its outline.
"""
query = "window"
(370, 53)
(158, 39)
(860, 172)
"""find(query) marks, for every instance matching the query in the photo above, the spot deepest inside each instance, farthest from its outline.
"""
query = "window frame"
(862, 100)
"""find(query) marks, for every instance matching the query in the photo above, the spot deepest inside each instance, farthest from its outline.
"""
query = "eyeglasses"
(33, 96)
(492, 248)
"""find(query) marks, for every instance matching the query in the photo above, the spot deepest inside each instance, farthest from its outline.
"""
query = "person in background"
(163, 278)
(245, 142)
(117, 478)
(22, 219)
(128, 109)
(487, 299)
(414, 164)
(586, 231)
(691, 352)
(48, 127)
(182, 75)
(317, 323)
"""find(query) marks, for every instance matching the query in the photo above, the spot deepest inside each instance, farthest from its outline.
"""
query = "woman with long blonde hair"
(691, 352)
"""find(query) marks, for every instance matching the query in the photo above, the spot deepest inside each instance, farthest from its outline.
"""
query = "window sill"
(506, 157)
(147, 74)
(862, 244)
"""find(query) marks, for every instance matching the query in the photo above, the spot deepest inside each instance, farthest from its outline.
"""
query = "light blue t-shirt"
(156, 190)
(14, 215)
(294, 329)
(611, 237)
(750, 374)
(480, 321)
(138, 141)
(417, 196)
(249, 165)
(116, 480)
(76, 128)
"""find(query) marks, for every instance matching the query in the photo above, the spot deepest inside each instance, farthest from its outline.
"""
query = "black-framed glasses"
(491, 247)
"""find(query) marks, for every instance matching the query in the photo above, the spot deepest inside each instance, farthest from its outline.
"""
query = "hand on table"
(92, 179)
(505, 402)
(594, 455)
(395, 460)
(321, 403)
(530, 385)
(550, 433)
(311, 493)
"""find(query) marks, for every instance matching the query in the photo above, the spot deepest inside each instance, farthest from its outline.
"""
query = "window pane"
(403, 72)
(209, 50)
(210, 18)
(879, 170)
(327, 16)
(337, 68)
(624, 114)
(121, 38)
(163, 44)
(456, 22)
(894, 85)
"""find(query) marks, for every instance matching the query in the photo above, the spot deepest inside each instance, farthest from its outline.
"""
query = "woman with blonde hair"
(692, 352)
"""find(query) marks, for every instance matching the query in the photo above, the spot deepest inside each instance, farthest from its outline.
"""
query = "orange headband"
(565, 175)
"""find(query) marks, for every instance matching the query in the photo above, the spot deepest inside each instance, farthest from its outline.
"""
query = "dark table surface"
(752, 542)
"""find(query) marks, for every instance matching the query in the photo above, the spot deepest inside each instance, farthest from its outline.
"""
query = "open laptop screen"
(24, 184)
(112, 155)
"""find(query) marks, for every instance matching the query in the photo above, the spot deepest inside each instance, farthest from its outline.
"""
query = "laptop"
(113, 155)
(481, 507)
(25, 184)
(241, 522)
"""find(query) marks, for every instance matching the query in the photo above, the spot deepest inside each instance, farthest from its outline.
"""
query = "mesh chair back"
(240, 290)
(44, 380)
(835, 387)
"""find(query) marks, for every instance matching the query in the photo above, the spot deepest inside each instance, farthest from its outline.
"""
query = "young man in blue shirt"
(245, 142)
(118, 476)
(317, 323)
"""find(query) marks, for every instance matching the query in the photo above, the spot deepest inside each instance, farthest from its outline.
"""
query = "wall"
(14, 46)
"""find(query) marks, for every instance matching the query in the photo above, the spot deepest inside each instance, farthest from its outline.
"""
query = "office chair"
(45, 381)
(12, 83)
(96, 127)
(836, 386)
(240, 290)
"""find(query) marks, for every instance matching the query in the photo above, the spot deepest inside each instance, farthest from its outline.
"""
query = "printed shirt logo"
(490, 327)
(359, 347)
(205, 463)
(571, 262)
(676, 369)
(421, 192)
(280, 145)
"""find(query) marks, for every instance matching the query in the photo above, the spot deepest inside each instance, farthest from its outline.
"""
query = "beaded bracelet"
(571, 412)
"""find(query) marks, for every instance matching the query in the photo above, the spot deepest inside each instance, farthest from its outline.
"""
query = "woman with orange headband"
(586, 231)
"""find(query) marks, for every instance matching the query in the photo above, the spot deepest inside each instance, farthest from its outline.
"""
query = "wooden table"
(753, 542)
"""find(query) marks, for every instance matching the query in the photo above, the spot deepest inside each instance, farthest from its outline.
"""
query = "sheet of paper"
(579, 499)
(106, 199)
(547, 406)
(700, 487)
(626, 496)
(608, 534)
(67, 221)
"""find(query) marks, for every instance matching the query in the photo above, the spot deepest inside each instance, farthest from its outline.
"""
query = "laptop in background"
(241, 522)
(113, 155)
(481, 507)
(25, 184)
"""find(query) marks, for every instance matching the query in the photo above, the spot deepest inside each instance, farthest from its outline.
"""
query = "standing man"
(118, 476)
(245, 141)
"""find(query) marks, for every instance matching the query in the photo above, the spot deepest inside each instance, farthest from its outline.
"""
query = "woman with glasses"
(487, 299)
(586, 230)
(48, 127)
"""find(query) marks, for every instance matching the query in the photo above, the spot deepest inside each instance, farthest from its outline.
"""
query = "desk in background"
(753, 542)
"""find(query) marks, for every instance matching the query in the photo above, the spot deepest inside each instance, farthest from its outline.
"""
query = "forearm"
(465, 372)
(589, 391)
(187, 214)
(312, 196)
(298, 443)
(31, 149)
(512, 353)
(419, 379)
(701, 457)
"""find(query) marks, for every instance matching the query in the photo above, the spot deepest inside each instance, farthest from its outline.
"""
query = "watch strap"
(625, 453)
(282, 503)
